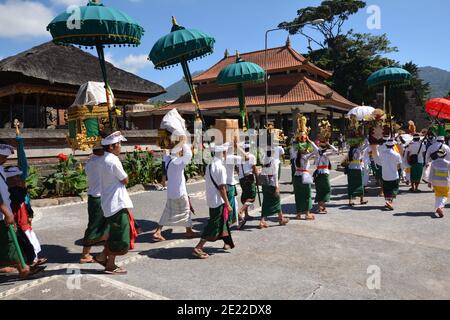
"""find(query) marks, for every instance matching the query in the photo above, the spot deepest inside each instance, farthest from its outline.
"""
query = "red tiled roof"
(283, 90)
(281, 58)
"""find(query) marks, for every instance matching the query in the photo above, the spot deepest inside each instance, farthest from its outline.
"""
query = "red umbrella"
(439, 108)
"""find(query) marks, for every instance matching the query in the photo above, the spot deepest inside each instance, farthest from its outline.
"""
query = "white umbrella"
(361, 112)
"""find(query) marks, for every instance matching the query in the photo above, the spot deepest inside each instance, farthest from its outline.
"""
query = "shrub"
(34, 183)
(68, 180)
(142, 167)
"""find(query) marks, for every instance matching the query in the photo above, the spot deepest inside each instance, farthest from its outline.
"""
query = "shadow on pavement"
(431, 215)
(183, 253)
(58, 254)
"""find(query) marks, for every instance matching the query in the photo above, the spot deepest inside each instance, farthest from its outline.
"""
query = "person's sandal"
(263, 226)
(242, 224)
(440, 213)
(310, 217)
(364, 202)
(200, 254)
(116, 271)
(42, 261)
(87, 261)
(33, 271)
(283, 221)
(158, 239)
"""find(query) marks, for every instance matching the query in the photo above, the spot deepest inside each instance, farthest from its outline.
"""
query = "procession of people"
(423, 158)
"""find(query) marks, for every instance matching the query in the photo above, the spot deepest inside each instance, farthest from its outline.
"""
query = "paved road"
(404, 254)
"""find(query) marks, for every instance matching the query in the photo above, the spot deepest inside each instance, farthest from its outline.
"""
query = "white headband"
(114, 138)
(6, 150)
(12, 172)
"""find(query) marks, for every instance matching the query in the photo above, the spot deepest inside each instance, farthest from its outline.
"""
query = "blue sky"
(420, 29)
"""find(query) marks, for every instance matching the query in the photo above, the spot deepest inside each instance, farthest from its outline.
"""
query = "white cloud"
(68, 3)
(131, 63)
(24, 19)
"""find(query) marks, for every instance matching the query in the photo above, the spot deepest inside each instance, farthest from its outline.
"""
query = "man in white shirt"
(391, 162)
(415, 157)
(218, 227)
(116, 205)
(177, 212)
(97, 229)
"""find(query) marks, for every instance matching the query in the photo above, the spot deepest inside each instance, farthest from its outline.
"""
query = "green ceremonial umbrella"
(239, 73)
(95, 25)
(180, 46)
(389, 77)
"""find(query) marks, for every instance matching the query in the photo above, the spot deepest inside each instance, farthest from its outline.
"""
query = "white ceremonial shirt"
(217, 171)
(271, 170)
(176, 182)
(93, 172)
(358, 158)
(230, 164)
(278, 155)
(4, 192)
(247, 166)
(323, 161)
(413, 148)
(114, 193)
(390, 160)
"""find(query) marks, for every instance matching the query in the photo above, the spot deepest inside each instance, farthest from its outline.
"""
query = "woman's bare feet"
(310, 217)
(87, 258)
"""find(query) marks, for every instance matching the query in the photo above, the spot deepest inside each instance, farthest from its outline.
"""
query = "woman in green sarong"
(271, 204)
(355, 173)
(322, 176)
(303, 179)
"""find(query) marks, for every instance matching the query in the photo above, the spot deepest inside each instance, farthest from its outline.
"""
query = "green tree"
(334, 12)
(352, 57)
(417, 85)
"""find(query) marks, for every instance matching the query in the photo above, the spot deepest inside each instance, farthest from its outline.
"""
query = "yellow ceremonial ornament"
(324, 131)
(303, 131)
(412, 127)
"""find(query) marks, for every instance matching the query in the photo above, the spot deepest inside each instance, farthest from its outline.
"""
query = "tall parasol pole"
(11, 231)
(192, 91)
(101, 57)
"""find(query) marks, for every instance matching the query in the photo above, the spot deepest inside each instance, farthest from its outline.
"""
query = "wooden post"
(24, 97)
(314, 125)
(332, 123)
(38, 106)
(295, 113)
(278, 122)
(11, 104)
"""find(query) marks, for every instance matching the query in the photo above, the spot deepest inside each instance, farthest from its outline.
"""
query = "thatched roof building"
(48, 76)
